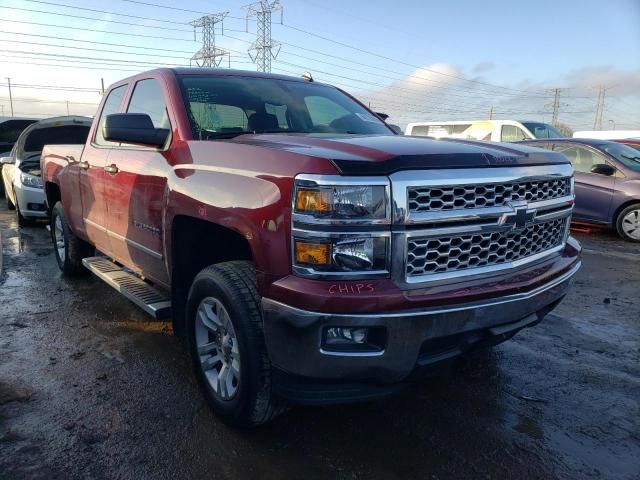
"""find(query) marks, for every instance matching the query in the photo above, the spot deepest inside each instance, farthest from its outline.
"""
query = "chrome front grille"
(452, 253)
(453, 224)
(452, 197)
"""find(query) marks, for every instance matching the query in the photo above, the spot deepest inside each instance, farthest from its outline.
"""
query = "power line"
(67, 27)
(67, 15)
(75, 7)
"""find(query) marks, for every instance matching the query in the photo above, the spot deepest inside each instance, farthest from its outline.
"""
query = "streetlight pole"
(10, 97)
(614, 124)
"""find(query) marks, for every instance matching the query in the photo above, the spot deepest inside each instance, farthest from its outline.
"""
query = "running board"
(155, 303)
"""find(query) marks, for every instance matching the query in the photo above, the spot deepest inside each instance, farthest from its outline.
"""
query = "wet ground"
(90, 388)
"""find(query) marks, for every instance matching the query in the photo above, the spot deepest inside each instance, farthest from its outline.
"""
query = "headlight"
(337, 226)
(344, 253)
(30, 180)
(341, 203)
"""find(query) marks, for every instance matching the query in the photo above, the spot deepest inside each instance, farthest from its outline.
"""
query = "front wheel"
(628, 223)
(226, 344)
(69, 249)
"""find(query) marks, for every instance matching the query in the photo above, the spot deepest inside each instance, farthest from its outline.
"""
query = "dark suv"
(607, 182)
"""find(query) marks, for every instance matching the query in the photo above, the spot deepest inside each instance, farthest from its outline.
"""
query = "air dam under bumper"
(293, 336)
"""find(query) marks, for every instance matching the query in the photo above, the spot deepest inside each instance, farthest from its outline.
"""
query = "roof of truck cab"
(222, 72)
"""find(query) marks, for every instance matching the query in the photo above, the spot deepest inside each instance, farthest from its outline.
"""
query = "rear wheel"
(69, 249)
(628, 223)
(227, 346)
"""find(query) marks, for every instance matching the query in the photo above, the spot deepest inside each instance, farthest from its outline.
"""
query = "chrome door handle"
(83, 165)
(111, 169)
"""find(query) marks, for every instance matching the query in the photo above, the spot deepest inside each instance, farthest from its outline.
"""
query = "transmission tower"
(597, 124)
(262, 50)
(209, 55)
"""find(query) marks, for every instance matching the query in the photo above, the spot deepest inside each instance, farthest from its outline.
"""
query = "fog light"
(363, 340)
(337, 335)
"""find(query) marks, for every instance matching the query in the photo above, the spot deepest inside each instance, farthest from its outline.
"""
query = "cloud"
(482, 67)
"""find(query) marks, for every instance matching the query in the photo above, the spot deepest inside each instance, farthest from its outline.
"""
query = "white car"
(491, 130)
(21, 169)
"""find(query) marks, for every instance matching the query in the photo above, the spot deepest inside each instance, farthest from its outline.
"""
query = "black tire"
(233, 284)
(22, 220)
(620, 223)
(75, 249)
(10, 204)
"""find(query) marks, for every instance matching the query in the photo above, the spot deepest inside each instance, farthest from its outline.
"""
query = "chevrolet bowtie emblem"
(519, 219)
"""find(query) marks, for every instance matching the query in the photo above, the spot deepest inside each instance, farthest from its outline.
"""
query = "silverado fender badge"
(521, 217)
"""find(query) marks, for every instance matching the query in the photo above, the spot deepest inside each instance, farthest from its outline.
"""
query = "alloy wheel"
(217, 346)
(58, 238)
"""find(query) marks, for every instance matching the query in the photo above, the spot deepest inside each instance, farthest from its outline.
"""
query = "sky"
(415, 60)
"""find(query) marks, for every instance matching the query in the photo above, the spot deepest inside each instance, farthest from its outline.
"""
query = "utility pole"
(67, 107)
(10, 97)
(491, 113)
(102, 84)
(597, 123)
(261, 51)
(209, 55)
(556, 107)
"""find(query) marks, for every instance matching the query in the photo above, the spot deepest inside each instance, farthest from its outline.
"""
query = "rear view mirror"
(603, 169)
(4, 160)
(136, 128)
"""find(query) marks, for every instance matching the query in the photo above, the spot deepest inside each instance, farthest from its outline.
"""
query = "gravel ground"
(90, 388)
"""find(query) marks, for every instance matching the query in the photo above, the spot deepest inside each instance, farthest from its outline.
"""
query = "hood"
(385, 154)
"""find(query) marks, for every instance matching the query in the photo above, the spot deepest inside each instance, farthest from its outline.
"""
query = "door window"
(511, 133)
(111, 105)
(581, 158)
(148, 98)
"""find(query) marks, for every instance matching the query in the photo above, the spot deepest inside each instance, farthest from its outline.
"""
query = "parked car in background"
(21, 168)
(632, 142)
(306, 251)
(10, 130)
(493, 130)
(607, 134)
(607, 182)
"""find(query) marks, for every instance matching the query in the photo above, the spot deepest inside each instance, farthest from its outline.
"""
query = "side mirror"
(383, 116)
(6, 160)
(395, 128)
(136, 128)
(603, 169)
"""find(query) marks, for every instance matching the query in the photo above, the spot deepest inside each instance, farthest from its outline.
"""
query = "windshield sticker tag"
(367, 117)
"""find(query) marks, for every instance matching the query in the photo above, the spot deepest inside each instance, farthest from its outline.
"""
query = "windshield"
(542, 130)
(225, 106)
(67, 134)
(629, 157)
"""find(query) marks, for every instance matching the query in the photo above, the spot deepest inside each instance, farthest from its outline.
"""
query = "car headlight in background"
(31, 180)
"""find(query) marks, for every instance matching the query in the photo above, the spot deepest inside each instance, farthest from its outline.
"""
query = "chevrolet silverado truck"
(307, 253)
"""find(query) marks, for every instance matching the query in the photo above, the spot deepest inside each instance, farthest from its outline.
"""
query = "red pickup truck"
(308, 253)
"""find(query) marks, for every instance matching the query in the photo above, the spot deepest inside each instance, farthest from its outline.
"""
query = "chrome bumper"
(293, 336)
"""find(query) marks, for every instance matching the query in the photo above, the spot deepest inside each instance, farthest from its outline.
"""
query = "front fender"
(258, 207)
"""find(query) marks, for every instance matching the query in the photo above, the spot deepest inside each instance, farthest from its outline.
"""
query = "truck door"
(594, 192)
(135, 187)
(93, 176)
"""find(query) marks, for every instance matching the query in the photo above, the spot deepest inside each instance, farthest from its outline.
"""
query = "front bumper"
(31, 201)
(414, 337)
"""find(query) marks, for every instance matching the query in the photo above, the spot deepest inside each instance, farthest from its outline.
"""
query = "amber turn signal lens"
(313, 200)
(313, 253)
